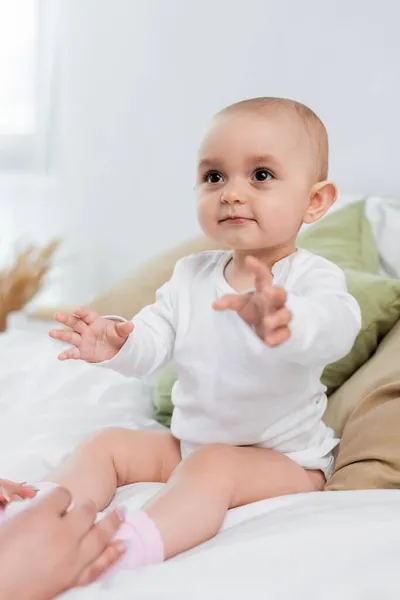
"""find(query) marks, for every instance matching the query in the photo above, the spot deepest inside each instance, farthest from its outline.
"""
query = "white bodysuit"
(231, 387)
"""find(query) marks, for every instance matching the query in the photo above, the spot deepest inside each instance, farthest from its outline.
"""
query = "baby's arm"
(150, 345)
(135, 348)
(316, 322)
(325, 317)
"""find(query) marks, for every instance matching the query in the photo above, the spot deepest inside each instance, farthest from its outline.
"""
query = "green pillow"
(163, 385)
(346, 239)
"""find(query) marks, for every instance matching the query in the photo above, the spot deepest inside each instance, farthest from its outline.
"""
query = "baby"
(250, 331)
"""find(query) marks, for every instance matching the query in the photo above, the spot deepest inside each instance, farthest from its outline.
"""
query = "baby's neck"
(236, 272)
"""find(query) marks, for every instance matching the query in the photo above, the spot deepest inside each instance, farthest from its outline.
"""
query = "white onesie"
(231, 387)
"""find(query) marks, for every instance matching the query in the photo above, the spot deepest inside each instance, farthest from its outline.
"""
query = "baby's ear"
(322, 196)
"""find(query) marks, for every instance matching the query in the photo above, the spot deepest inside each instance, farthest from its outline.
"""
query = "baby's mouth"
(235, 219)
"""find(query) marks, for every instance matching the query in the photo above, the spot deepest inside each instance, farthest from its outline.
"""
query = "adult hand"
(265, 309)
(9, 490)
(93, 338)
(45, 550)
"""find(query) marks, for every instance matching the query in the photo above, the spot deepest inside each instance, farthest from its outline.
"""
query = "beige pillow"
(133, 293)
(365, 412)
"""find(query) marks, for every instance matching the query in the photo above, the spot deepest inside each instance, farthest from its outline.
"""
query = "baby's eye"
(213, 177)
(262, 175)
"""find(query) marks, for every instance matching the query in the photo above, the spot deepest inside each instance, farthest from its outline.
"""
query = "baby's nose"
(232, 196)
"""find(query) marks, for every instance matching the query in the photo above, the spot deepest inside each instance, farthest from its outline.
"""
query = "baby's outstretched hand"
(92, 338)
(265, 309)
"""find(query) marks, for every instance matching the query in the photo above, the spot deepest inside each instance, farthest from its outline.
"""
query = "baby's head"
(262, 173)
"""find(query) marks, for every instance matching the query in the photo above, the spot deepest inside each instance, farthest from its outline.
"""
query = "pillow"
(130, 295)
(163, 384)
(379, 300)
(365, 412)
(345, 238)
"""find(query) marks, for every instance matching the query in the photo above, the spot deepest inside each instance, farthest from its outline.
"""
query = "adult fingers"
(24, 491)
(80, 519)
(70, 353)
(86, 314)
(66, 336)
(4, 494)
(108, 557)
(100, 536)
(232, 302)
(55, 502)
(281, 318)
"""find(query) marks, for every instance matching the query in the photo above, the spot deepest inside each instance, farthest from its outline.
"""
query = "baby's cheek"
(207, 217)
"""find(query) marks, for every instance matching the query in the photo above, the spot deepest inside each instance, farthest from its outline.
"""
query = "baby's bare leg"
(192, 506)
(116, 457)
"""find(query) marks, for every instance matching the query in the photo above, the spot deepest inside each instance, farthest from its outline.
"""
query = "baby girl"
(250, 331)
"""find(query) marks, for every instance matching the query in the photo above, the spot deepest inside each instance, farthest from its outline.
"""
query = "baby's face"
(254, 180)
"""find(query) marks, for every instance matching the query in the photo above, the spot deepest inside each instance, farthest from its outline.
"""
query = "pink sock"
(144, 545)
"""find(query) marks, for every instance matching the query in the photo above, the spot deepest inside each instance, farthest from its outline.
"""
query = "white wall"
(140, 78)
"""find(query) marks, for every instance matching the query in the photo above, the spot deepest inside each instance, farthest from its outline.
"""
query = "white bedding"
(331, 545)
(320, 546)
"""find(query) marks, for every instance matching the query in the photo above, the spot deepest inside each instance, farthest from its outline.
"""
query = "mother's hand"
(45, 550)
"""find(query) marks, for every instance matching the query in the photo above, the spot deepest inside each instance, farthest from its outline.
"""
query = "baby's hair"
(315, 128)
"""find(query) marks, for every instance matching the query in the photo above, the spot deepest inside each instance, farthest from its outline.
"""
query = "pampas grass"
(20, 282)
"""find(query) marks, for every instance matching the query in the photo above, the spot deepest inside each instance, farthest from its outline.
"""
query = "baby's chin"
(237, 240)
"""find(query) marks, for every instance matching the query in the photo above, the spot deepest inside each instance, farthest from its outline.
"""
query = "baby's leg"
(192, 506)
(116, 457)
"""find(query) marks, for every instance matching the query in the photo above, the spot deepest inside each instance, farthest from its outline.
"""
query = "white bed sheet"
(332, 545)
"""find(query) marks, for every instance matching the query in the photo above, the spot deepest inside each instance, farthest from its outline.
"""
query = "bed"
(332, 545)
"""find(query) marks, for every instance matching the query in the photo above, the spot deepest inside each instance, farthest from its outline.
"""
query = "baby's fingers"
(70, 353)
(66, 336)
(87, 314)
(71, 321)
(263, 275)
(231, 302)
(277, 337)
(275, 297)
(124, 329)
(280, 318)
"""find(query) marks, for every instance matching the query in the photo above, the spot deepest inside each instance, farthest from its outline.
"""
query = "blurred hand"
(44, 550)
(93, 338)
(265, 309)
(9, 490)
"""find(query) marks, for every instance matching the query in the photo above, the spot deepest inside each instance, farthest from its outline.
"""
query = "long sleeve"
(150, 345)
(325, 318)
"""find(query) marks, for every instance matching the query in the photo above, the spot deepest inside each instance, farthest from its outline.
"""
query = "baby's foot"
(144, 545)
